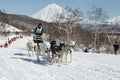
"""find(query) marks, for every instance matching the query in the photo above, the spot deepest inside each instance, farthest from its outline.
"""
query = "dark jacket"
(116, 46)
(38, 31)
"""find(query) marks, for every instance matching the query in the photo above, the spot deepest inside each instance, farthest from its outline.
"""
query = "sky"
(29, 7)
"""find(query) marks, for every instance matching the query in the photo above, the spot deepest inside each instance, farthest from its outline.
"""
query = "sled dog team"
(48, 49)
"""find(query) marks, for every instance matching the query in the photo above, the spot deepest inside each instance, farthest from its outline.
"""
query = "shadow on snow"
(29, 59)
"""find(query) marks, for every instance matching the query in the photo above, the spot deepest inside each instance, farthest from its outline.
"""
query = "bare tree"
(98, 15)
(67, 20)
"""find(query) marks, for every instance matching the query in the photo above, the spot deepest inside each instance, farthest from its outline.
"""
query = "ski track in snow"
(15, 64)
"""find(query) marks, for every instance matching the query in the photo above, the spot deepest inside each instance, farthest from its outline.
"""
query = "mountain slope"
(8, 27)
(49, 13)
(22, 21)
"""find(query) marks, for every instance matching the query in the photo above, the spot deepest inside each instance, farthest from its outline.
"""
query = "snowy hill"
(15, 64)
(10, 28)
(48, 13)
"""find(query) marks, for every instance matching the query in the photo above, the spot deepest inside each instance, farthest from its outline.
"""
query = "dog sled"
(37, 39)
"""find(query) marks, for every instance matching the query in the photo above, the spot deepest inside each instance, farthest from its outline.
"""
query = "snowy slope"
(16, 65)
(49, 13)
(10, 28)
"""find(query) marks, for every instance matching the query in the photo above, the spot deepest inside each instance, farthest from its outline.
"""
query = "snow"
(3, 40)
(12, 28)
(114, 20)
(15, 64)
(50, 12)
(8, 27)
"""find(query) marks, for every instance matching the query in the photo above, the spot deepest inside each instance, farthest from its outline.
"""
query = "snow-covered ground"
(4, 40)
(15, 64)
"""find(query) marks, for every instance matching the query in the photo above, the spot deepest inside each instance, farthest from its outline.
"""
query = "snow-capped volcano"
(49, 13)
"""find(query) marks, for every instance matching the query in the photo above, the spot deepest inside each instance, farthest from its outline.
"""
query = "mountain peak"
(49, 12)
(53, 5)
